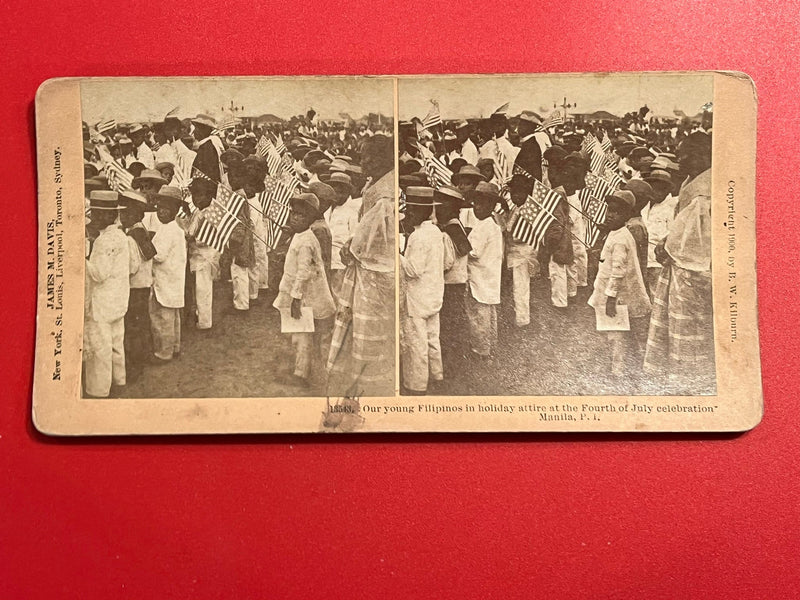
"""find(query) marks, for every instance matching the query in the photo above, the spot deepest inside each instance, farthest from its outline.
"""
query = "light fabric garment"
(259, 272)
(361, 358)
(145, 156)
(482, 319)
(169, 265)
(619, 276)
(304, 277)
(689, 238)
(563, 283)
(204, 263)
(108, 267)
(421, 351)
(242, 291)
(104, 356)
(311, 349)
(342, 222)
(521, 259)
(681, 337)
(485, 261)
(469, 152)
(166, 327)
(578, 229)
(423, 269)
(657, 218)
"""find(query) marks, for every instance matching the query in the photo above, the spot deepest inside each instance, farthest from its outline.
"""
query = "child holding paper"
(619, 282)
(304, 285)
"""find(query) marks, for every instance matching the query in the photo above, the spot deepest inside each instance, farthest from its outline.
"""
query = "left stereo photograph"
(238, 240)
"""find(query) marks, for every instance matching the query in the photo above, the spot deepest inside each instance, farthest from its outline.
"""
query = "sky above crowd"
(150, 99)
(472, 97)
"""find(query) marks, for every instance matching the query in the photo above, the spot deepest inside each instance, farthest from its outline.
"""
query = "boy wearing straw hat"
(619, 282)
(303, 284)
(107, 271)
(423, 266)
(203, 259)
(483, 271)
(342, 219)
(169, 276)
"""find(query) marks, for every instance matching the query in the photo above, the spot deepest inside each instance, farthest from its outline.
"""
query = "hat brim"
(139, 180)
(409, 203)
(459, 176)
(478, 195)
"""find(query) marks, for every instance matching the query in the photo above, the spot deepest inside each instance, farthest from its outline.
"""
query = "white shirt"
(469, 152)
(145, 156)
(108, 267)
(423, 268)
(485, 261)
(342, 221)
(169, 265)
(304, 277)
(657, 218)
(578, 226)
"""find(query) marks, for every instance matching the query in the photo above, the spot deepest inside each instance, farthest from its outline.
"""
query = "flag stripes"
(536, 215)
(438, 173)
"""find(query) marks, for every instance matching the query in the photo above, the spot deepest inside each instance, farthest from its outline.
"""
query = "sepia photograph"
(239, 237)
(568, 252)
(556, 235)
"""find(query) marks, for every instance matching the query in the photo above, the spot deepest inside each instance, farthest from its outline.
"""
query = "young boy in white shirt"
(342, 219)
(483, 271)
(203, 259)
(304, 284)
(619, 281)
(169, 276)
(423, 266)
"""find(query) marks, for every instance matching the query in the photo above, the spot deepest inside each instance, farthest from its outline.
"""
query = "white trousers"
(422, 352)
(204, 295)
(521, 278)
(260, 272)
(242, 289)
(581, 263)
(563, 283)
(105, 359)
(165, 323)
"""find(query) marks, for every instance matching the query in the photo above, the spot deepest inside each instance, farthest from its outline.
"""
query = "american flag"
(438, 173)
(502, 171)
(104, 126)
(605, 144)
(588, 143)
(119, 179)
(279, 145)
(613, 178)
(594, 212)
(220, 218)
(598, 187)
(228, 121)
(536, 215)
(517, 170)
(192, 208)
(266, 149)
(433, 118)
(274, 201)
(557, 117)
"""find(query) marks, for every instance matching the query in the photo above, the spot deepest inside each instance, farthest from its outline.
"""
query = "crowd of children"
(152, 267)
(646, 273)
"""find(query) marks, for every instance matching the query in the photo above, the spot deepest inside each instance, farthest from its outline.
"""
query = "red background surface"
(436, 516)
